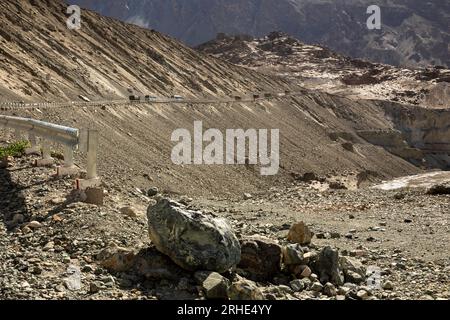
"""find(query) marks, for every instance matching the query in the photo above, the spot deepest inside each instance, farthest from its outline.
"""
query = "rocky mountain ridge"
(413, 32)
(319, 68)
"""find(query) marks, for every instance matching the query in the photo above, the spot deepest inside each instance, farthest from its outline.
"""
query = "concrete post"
(92, 144)
(34, 148)
(47, 159)
(68, 157)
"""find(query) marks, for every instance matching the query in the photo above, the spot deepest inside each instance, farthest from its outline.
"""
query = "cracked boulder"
(193, 240)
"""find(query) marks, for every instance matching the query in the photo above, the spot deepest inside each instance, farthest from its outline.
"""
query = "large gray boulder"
(326, 265)
(191, 239)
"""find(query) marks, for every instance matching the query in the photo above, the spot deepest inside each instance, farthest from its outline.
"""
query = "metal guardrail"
(70, 138)
(245, 98)
(53, 132)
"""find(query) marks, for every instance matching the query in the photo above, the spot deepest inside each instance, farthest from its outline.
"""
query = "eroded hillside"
(42, 60)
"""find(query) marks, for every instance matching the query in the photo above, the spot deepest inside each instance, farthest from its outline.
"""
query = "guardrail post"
(89, 144)
(91, 186)
(47, 159)
(68, 157)
(92, 154)
(34, 148)
(68, 169)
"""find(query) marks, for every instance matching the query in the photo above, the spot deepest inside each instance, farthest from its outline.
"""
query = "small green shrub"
(15, 149)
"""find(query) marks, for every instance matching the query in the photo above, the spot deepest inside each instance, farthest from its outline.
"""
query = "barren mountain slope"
(316, 131)
(319, 68)
(41, 59)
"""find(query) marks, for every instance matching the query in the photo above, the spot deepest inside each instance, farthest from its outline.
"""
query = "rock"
(34, 225)
(215, 285)
(191, 239)
(297, 285)
(116, 259)
(309, 177)
(129, 211)
(300, 233)
(57, 201)
(260, 257)
(306, 273)
(247, 196)
(309, 256)
(362, 294)
(387, 285)
(94, 287)
(300, 271)
(439, 189)
(293, 254)
(337, 185)
(329, 290)
(3, 163)
(153, 265)
(317, 287)
(152, 192)
(243, 289)
(87, 268)
(306, 282)
(327, 267)
(73, 281)
(354, 270)
(335, 235)
(18, 219)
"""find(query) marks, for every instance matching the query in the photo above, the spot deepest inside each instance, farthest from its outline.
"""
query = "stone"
(309, 256)
(94, 195)
(129, 211)
(306, 282)
(3, 163)
(327, 267)
(116, 259)
(34, 225)
(297, 285)
(94, 287)
(362, 294)
(215, 285)
(354, 270)
(329, 290)
(243, 289)
(439, 189)
(387, 285)
(153, 191)
(18, 219)
(260, 258)
(192, 239)
(293, 254)
(300, 233)
(317, 287)
(57, 201)
(153, 265)
(247, 196)
(73, 281)
(306, 273)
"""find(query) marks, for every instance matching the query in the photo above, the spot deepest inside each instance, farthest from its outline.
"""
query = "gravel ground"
(55, 239)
